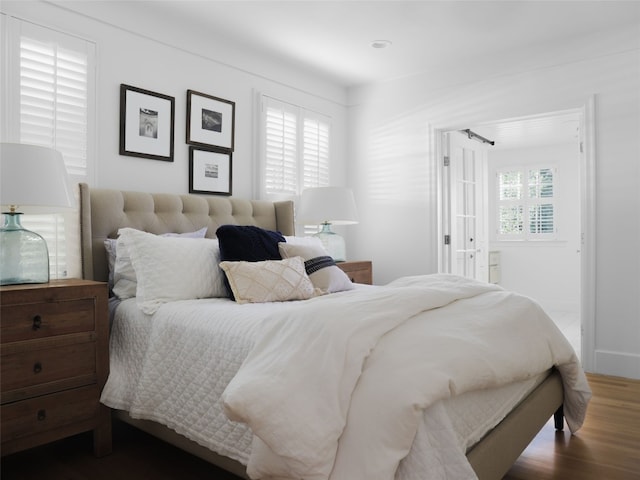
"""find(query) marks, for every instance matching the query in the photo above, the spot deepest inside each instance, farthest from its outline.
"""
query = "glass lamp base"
(24, 257)
(332, 243)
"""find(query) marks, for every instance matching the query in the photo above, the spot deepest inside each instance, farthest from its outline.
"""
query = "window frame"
(61, 230)
(526, 202)
(297, 150)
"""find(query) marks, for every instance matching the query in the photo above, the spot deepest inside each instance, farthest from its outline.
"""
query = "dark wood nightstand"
(358, 272)
(55, 361)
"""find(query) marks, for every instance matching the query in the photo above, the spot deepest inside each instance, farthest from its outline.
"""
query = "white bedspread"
(338, 390)
(173, 367)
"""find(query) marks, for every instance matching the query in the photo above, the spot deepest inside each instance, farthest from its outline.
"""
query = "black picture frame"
(210, 121)
(210, 171)
(146, 124)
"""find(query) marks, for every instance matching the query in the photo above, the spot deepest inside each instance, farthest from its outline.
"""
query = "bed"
(489, 447)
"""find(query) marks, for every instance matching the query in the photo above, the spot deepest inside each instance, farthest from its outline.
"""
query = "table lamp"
(328, 206)
(34, 177)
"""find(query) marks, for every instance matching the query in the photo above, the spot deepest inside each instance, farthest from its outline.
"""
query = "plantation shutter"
(53, 100)
(527, 204)
(296, 149)
(541, 201)
(52, 82)
(281, 148)
(315, 151)
(510, 209)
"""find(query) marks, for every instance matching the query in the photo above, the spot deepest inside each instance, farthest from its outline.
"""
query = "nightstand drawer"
(360, 276)
(33, 367)
(48, 412)
(38, 320)
(358, 271)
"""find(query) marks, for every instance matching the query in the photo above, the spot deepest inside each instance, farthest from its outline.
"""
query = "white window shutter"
(296, 149)
(315, 151)
(52, 84)
(527, 204)
(280, 149)
(541, 202)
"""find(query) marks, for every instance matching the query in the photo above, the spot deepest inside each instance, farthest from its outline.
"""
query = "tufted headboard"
(104, 211)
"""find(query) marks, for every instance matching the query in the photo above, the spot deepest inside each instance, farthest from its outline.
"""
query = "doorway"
(521, 140)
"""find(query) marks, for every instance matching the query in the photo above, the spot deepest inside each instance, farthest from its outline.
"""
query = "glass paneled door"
(465, 199)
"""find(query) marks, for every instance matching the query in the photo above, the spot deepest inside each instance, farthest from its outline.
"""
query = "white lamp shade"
(34, 176)
(334, 205)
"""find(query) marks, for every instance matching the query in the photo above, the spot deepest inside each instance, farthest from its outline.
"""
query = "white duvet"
(335, 387)
(364, 368)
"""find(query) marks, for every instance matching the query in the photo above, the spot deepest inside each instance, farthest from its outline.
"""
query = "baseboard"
(618, 364)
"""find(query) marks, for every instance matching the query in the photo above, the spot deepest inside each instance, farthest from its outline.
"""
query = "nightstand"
(54, 346)
(358, 272)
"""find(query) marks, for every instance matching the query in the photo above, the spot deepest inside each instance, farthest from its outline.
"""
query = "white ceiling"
(333, 38)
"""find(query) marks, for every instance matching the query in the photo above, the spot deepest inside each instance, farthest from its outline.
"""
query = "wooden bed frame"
(104, 211)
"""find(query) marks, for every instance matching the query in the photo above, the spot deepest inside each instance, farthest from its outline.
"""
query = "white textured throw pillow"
(124, 276)
(268, 281)
(170, 268)
(323, 273)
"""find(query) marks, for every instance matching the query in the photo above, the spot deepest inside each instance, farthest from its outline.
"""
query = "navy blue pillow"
(247, 243)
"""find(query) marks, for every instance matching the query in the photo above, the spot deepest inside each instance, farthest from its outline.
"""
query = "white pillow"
(269, 280)
(122, 276)
(322, 270)
(308, 241)
(170, 268)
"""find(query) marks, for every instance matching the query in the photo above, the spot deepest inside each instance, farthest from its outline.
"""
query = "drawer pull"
(42, 415)
(37, 322)
(37, 367)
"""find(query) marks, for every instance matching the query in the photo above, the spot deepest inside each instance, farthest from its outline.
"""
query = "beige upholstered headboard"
(104, 211)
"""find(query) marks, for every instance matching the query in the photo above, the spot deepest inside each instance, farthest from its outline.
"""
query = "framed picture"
(210, 121)
(146, 123)
(210, 171)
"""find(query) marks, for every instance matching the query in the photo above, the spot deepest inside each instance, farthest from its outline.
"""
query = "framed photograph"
(210, 121)
(210, 171)
(146, 124)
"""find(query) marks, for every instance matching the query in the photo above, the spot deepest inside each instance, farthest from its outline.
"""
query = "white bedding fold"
(359, 404)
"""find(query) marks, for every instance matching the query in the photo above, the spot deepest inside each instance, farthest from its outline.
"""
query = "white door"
(465, 221)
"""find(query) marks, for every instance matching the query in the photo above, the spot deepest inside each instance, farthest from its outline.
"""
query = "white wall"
(548, 271)
(158, 55)
(397, 187)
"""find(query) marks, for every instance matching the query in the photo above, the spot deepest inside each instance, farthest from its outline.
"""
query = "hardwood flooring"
(606, 448)
(136, 456)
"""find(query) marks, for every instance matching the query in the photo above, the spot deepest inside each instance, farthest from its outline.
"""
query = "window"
(295, 149)
(527, 204)
(49, 89)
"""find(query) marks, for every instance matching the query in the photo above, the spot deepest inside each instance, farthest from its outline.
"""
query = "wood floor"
(606, 448)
